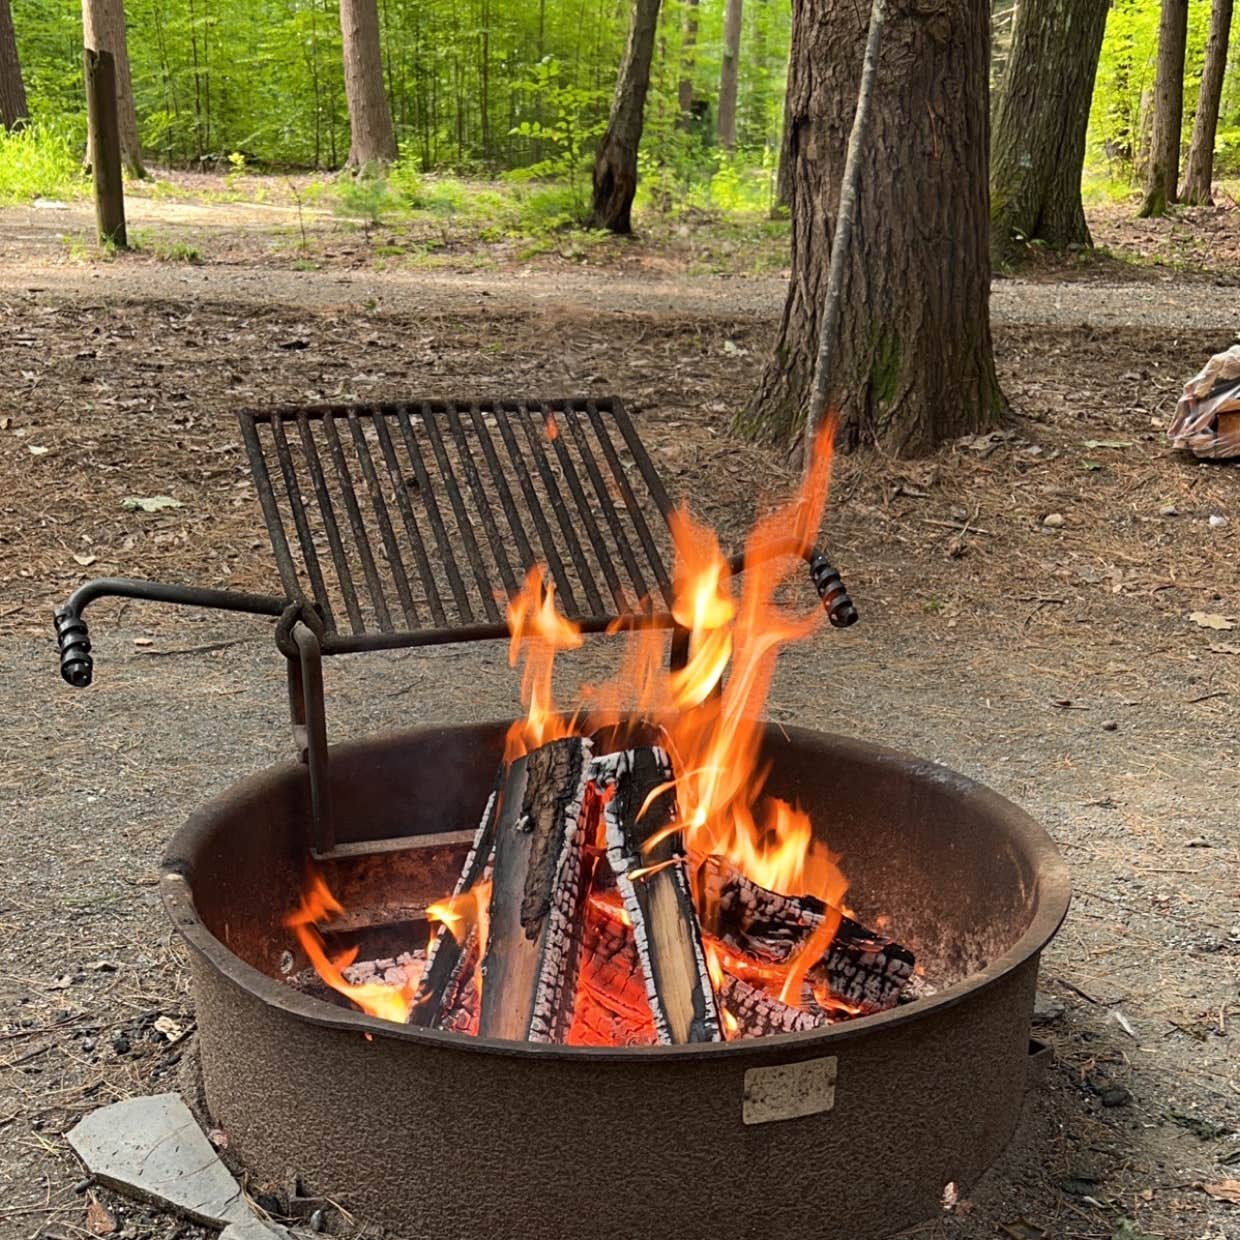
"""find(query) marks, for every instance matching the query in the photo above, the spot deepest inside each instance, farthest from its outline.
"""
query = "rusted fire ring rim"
(1053, 895)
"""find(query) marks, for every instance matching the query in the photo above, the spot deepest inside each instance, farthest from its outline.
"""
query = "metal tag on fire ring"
(790, 1090)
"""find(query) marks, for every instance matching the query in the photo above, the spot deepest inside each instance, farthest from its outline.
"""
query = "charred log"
(537, 891)
(446, 955)
(758, 1014)
(638, 813)
(862, 969)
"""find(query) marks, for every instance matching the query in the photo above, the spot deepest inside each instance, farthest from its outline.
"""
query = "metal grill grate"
(406, 520)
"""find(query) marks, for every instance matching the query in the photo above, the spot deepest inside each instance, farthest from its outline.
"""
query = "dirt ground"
(1059, 663)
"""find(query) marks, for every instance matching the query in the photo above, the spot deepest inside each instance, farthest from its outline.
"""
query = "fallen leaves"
(149, 503)
(1224, 1190)
(100, 1221)
(1211, 620)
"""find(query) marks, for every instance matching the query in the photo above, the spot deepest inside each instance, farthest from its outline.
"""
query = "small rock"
(1053, 520)
(1199, 842)
(82, 1185)
(1047, 1009)
(317, 1221)
(1168, 510)
(88, 1045)
(120, 1042)
(1116, 1096)
(1110, 725)
(1217, 522)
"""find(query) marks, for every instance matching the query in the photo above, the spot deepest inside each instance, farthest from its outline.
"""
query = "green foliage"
(38, 161)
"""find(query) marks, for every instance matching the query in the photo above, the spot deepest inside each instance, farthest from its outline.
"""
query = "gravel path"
(33, 257)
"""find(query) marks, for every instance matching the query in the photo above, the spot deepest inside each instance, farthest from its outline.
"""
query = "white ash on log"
(446, 959)
(639, 806)
(758, 1013)
(861, 968)
(537, 891)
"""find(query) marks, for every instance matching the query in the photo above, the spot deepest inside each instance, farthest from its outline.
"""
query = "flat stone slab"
(152, 1147)
(255, 1229)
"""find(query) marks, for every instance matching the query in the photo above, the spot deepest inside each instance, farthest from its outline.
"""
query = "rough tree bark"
(103, 30)
(1037, 150)
(615, 165)
(688, 58)
(373, 140)
(12, 89)
(1162, 178)
(913, 364)
(1199, 177)
(729, 73)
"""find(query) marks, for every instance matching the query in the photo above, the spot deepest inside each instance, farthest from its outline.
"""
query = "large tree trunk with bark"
(1037, 150)
(688, 58)
(913, 364)
(1163, 175)
(729, 73)
(615, 165)
(12, 90)
(1199, 177)
(373, 139)
(103, 30)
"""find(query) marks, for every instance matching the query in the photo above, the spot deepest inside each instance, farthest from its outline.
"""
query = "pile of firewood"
(588, 925)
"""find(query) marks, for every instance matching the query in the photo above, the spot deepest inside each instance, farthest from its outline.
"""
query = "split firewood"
(863, 969)
(537, 891)
(758, 1013)
(446, 953)
(639, 805)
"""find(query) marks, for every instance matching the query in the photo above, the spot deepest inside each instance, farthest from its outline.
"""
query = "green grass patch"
(38, 161)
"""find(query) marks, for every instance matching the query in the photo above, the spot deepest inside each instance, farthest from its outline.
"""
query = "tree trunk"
(12, 90)
(615, 165)
(913, 364)
(1038, 147)
(783, 170)
(688, 58)
(1199, 178)
(373, 140)
(1162, 179)
(729, 73)
(103, 30)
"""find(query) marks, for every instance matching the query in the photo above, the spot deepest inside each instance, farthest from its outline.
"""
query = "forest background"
(515, 91)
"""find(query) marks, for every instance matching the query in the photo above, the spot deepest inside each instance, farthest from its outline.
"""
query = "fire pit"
(854, 1130)
(620, 989)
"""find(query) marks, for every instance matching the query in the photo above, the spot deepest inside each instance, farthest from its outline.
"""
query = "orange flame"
(539, 633)
(381, 999)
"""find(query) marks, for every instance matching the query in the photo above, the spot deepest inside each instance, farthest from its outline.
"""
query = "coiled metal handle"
(839, 607)
(76, 665)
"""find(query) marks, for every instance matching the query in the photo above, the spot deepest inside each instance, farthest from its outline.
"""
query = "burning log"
(447, 956)
(538, 889)
(612, 1008)
(861, 968)
(638, 807)
(758, 1014)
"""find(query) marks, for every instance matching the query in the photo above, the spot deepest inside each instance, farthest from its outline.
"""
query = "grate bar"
(395, 562)
(630, 499)
(554, 563)
(524, 550)
(537, 442)
(605, 558)
(267, 500)
(481, 502)
(435, 516)
(410, 521)
(339, 560)
(448, 476)
(360, 537)
(301, 522)
(608, 509)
